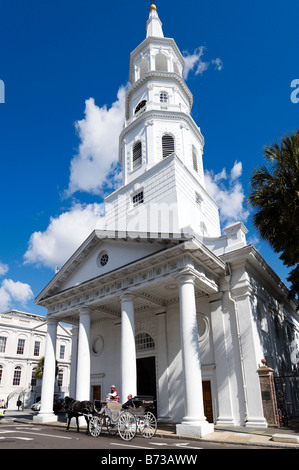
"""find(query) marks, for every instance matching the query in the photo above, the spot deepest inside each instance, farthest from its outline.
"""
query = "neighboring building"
(161, 301)
(22, 346)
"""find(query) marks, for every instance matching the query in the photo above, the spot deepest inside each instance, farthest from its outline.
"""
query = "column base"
(197, 429)
(226, 422)
(45, 418)
(256, 423)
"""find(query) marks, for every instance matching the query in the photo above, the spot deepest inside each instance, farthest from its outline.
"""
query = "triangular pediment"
(102, 253)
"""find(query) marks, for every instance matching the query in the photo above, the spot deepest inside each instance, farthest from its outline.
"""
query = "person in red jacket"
(113, 395)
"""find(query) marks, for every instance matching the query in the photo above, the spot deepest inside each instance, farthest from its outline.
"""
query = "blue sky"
(64, 62)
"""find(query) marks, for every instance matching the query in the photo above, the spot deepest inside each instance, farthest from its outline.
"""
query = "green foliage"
(38, 374)
(275, 197)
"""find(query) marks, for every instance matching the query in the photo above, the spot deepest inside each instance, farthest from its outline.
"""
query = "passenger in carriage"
(113, 395)
(128, 403)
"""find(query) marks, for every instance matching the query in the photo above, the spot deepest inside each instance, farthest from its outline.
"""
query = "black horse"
(75, 408)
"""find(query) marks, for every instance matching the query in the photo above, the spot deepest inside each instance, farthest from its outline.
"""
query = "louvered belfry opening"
(167, 145)
(194, 158)
(137, 155)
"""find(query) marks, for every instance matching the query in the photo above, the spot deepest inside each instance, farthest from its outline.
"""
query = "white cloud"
(228, 193)
(3, 269)
(63, 235)
(12, 292)
(95, 167)
(195, 62)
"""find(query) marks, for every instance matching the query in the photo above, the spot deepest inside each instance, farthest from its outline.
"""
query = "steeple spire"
(154, 25)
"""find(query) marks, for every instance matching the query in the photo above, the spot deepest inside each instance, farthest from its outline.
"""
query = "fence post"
(268, 395)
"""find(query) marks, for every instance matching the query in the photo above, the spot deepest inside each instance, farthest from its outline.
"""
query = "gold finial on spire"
(153, 6)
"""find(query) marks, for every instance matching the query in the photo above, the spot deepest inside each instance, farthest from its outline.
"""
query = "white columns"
(163, 404)
(224, 365)
(83, 359)
(128, 349)
(194, 422)
(73, 376)
(46, 411)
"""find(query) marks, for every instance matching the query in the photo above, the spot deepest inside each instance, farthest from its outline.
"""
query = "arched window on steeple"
(167, 145)
(143, 67)
(137, 155)
(194, 159)
(161, 62)
(140, 106)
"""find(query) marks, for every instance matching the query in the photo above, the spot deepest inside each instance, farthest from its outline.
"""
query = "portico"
(172, 274)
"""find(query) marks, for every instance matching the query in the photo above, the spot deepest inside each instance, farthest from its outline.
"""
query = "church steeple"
(160, 146)
(154, 25)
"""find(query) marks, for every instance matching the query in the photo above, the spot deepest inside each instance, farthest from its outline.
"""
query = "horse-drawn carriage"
(110, 415)
(137, 417)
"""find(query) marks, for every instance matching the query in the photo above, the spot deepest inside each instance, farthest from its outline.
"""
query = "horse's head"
(65, 404)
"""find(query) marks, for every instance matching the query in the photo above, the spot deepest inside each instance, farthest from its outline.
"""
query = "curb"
(282, 441)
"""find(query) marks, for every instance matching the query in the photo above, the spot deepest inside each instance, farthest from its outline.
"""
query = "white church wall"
(105, 356)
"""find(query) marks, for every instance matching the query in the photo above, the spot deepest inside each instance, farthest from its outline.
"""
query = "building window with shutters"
(36, 348)
(167, 145)
(17, 376)
(62, 351)
(3, 340)
(137, 155)
(21, 346)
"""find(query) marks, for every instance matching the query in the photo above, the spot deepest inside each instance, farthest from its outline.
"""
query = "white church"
(162, 300)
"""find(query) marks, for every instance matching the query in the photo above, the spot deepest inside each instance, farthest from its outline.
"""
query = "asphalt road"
(21, 436)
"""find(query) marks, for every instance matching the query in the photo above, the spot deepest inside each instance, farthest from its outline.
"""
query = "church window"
(143, 67)
(138, 199)
(17, 376)
(198, 199)
(102, 259)
(163, 97)
(167, 145)
(137, 155)
(144, 341)
(194, 159)
(140, 106)
(161, 62)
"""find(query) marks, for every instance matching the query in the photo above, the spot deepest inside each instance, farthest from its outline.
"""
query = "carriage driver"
(113, 395)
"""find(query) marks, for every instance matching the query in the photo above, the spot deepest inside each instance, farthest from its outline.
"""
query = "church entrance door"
(207, 400)
(146, 376)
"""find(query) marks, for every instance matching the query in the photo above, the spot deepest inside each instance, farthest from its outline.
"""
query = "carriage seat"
(113, 405)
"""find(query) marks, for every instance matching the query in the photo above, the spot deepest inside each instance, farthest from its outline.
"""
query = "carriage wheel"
(148, 425)
(95, 426)
(127, 426)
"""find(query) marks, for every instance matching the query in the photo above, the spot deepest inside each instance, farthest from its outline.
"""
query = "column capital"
(185, 278)
(84, 311)
(127, 296)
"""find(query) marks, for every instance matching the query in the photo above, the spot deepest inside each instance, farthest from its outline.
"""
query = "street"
(15, 435)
